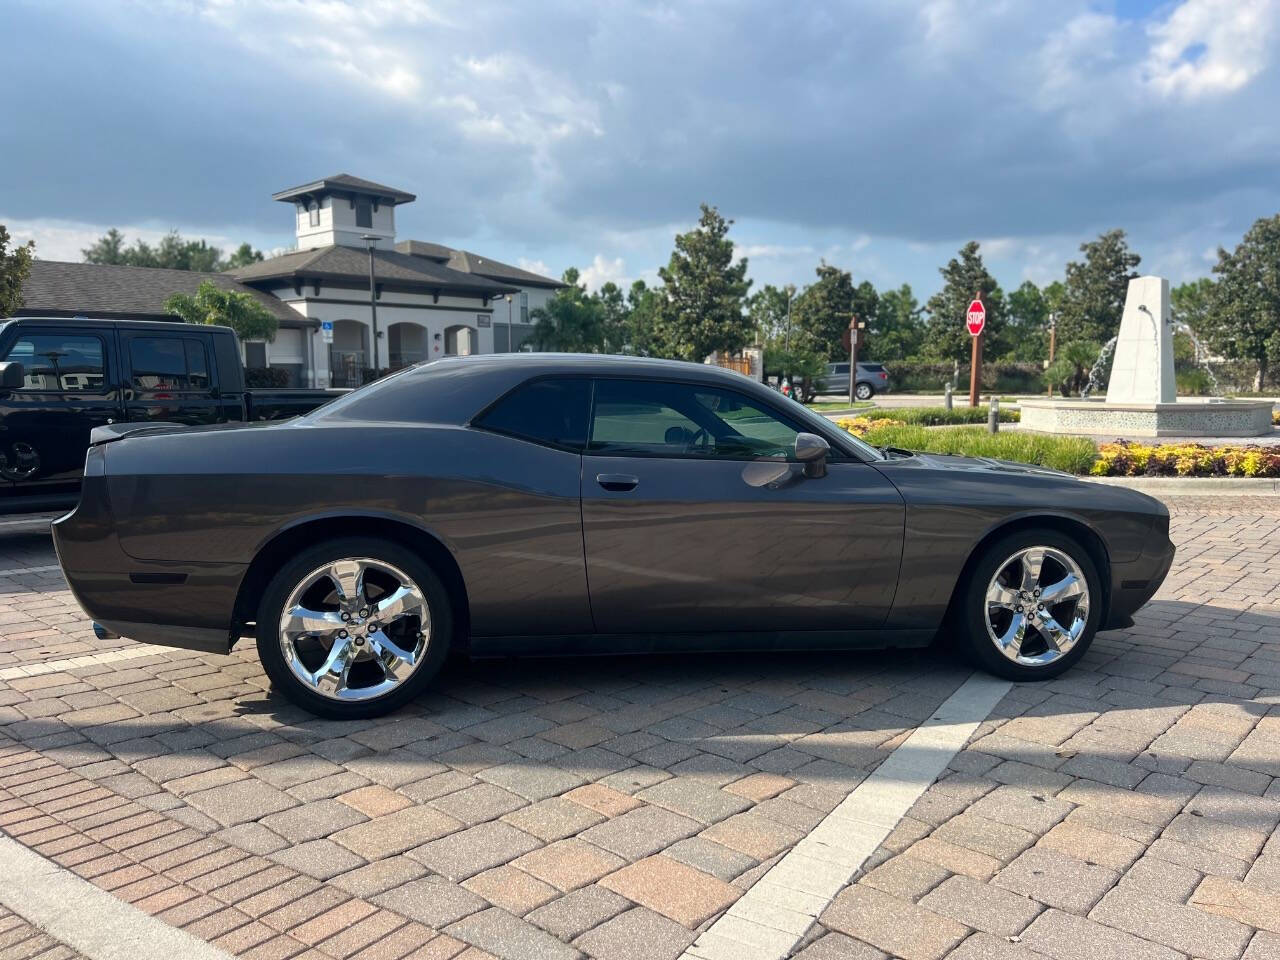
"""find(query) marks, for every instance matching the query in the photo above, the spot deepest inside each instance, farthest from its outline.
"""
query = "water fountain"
(1141, 398)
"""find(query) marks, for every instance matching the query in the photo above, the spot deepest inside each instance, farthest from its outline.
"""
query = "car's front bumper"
(169, 604)
(1135, 582)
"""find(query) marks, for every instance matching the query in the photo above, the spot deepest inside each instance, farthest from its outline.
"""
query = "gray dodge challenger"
(532, 503)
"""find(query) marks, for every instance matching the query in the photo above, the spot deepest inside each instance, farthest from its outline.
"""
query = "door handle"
(617, 482)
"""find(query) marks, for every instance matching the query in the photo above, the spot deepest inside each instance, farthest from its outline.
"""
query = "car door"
(168, 378)
(696, 517)
(67, 391)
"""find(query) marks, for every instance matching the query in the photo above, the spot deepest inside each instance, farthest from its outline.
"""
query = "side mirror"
(13, 376)
(812, 451)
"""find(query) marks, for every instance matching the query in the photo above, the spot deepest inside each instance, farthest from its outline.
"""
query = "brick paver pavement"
(615, 808)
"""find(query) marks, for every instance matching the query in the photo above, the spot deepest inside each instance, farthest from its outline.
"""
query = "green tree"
(109, 248)
(1244, 318)
(571, 321)
(243, 256)
(231, 308)
(767, 309)
(615, 317)
(820, 315)
(15, 267)
(173, 252)
(1093, 295)
(963, 276)
(705, 293)
(1069, 372)
(644, 309)
(898, 331)
(1028, 329)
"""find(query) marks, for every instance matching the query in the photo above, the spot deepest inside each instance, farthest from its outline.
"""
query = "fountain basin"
(1191, 417)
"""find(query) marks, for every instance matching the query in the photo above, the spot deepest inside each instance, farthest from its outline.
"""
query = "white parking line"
(85, 918)
(19, 571)
(774, 915)
(88, 660)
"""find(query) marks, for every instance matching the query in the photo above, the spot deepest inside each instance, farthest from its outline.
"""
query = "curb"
(1194, 486)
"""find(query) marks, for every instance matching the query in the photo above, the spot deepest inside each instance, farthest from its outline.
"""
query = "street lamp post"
(369, 241)
(1053, 342)
(509, 348)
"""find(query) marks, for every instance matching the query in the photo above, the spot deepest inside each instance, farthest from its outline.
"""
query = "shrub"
(1185, 460)
(938, 416)
(265, 377)
(1071, 454)
(910, 376)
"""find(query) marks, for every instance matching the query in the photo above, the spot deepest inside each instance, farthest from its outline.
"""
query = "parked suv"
(872, 379)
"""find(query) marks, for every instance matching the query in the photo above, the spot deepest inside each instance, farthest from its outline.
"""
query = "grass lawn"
(1072, 454)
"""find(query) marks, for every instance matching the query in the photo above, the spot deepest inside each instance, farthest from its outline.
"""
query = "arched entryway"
(460, 340)
(349, 353)
(406, 344)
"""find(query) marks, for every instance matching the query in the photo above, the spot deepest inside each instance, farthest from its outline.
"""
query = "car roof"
(92, 323)
(594, 363)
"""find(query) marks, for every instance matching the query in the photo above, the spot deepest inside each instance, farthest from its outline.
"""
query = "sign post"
(855, 327)
(976, 322)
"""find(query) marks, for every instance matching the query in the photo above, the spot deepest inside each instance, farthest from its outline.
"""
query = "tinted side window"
(197, 365)
(163, 364)
(551, 412)
(643, 417)
(57, 361)
(843, 367)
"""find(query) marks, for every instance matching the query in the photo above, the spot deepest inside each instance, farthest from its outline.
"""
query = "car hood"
(945, 461)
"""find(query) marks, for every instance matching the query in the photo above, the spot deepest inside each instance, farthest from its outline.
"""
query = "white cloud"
(602, 270)
(1210, 47)
(535, 266)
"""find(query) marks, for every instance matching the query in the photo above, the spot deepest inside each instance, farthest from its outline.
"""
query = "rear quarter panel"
(507, 510)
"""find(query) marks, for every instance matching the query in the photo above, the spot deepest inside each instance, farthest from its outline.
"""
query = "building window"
(364, 212)
(255, 353)
(524, 307)
(313, 213)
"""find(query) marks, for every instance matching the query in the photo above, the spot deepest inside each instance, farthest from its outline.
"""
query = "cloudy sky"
(879, 134)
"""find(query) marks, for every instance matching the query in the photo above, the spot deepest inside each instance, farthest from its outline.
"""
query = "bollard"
(946, 399)
(993, 415)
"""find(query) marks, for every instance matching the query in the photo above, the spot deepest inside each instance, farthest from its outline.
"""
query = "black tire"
(863, 391)
(970, 621)
(292, 574)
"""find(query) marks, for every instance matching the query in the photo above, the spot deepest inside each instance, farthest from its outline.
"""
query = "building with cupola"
(426, 300)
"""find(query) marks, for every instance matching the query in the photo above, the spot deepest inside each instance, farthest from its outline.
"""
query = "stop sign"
(976, 317)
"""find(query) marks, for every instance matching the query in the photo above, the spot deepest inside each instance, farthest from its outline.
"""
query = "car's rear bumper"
(185, 605)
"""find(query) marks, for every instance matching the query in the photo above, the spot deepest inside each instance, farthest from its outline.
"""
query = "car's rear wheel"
(864, 391)
(354, 628)
(1031, 605)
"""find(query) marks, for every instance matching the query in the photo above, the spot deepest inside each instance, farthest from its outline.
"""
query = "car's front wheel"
(354, 628)
(1031, 605)
(864, 391)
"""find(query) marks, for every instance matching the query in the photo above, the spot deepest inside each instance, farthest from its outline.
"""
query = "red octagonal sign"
(976, 318)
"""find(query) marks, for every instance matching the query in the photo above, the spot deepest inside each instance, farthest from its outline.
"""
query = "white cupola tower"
(342, 210)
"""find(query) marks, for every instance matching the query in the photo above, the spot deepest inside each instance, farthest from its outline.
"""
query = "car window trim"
(840, 454)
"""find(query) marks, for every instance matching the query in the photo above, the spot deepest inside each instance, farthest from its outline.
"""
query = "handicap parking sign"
(326, 330)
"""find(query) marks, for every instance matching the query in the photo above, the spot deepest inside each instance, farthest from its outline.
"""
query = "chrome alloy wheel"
(1037, 606)
(355, 629)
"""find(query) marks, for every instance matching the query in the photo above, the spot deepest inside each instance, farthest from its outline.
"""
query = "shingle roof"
(467, 262)
(345, 182)
(96, 289)
(391, 266)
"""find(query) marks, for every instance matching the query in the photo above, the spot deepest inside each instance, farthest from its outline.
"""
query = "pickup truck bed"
(61, 378)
